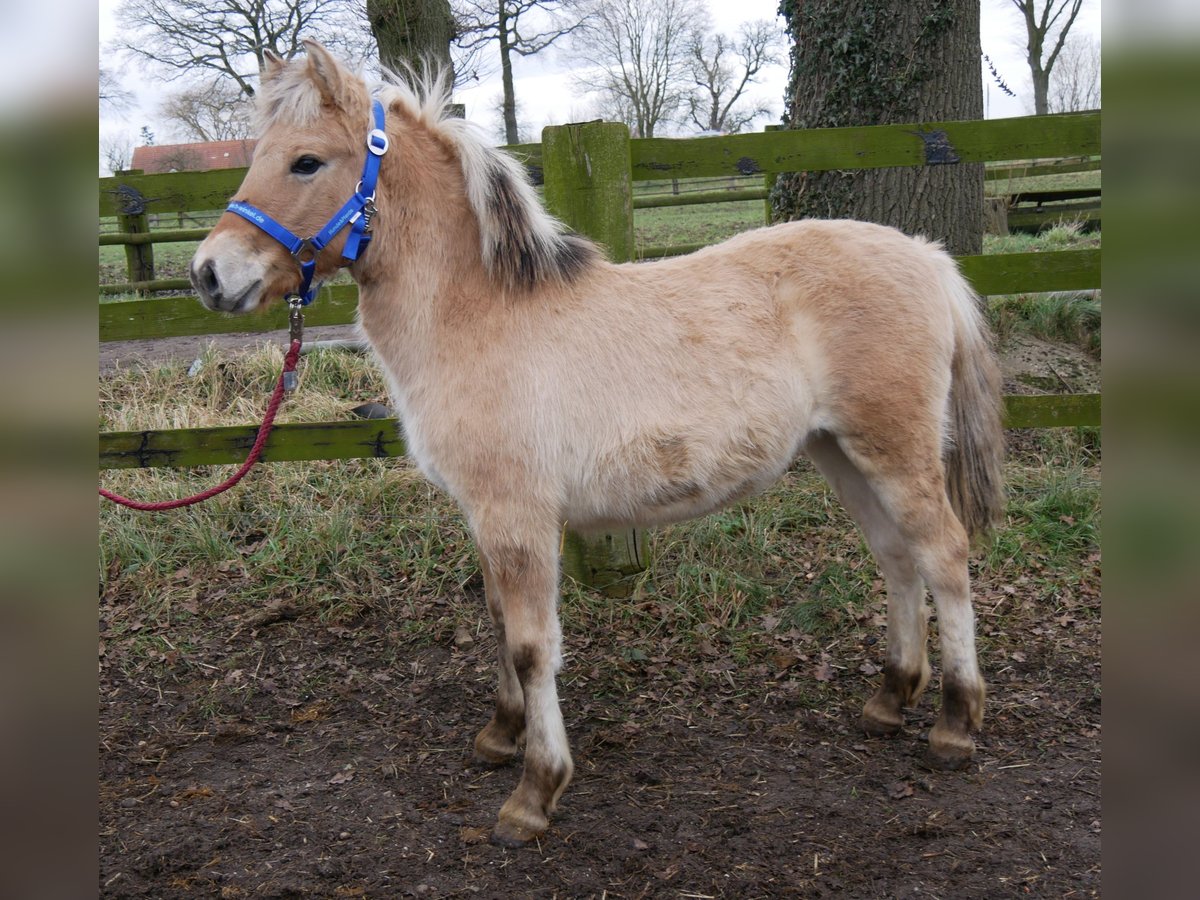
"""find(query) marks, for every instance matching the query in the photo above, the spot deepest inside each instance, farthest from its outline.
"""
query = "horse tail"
(974, 457)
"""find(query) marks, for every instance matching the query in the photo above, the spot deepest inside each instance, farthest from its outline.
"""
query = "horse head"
(313, 116)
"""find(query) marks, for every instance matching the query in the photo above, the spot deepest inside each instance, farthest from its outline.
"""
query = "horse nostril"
(207, 279)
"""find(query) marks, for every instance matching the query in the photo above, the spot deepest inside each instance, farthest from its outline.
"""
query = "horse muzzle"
(228, 282)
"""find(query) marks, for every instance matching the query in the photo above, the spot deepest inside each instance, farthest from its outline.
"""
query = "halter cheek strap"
(356, 212)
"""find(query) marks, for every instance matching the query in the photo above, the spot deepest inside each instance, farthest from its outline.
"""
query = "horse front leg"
(499, 740)
(525, 576)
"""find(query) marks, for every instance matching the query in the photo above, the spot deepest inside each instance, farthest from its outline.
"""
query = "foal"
(543, 386)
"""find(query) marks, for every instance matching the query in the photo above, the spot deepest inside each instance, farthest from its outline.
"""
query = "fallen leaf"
(823, 671)
(469, 835)
(463, 639)
(899, 790)
(869, 668)
(348, 775)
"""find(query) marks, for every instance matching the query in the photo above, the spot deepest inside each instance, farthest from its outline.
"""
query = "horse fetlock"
(950, 742)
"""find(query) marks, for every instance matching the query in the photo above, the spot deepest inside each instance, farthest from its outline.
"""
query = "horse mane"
(521, 245)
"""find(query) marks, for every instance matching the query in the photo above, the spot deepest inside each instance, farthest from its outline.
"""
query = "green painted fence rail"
(868, 147)
(380, 438)
(1037, 168)
(124, 320)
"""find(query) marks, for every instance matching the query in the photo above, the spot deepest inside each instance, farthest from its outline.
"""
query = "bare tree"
(499, 122)
(521, 27)
(179, 159)
(723, 68)
(209, 112)
(1047, 23)
(229, 38)
(1076, 82)
(641, 49)
(117, 152)
(112, 95)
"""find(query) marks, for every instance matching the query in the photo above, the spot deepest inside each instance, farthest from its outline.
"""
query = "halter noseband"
(357, 212)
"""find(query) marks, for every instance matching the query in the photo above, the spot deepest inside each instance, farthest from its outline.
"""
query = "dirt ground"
(337, 765)
(740, 787)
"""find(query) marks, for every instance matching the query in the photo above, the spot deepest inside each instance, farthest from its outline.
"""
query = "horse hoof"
(881, 718)
(947, 763)
(875, 728)
(487, 759)
(511, 834)
(948, 751)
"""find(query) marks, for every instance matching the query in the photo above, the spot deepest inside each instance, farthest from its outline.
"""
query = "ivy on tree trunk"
(881, 62)
(412, 32)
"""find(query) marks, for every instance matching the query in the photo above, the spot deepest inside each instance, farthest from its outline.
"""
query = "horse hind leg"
(909, 481)
(497, 743)
(906, 669)
(526, 575)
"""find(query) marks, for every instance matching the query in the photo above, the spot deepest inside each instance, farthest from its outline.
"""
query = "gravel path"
(118, 354)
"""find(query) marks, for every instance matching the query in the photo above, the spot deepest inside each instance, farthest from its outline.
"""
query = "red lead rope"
(264, 431)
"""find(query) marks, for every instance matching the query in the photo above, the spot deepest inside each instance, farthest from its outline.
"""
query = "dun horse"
(543, 386)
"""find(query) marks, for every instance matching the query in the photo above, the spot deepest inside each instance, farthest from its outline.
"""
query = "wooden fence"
(589, 172)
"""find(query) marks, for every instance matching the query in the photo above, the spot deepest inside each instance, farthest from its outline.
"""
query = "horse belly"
(671, 476)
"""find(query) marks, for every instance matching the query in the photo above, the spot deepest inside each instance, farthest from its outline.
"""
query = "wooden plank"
(1036, 218)
(1054, 196)
(1012, 273)
(653, 201)
(588, 185)
(129, 320)
(183, 447)
(158, 284)
(379, 438)
(868, 147)
(589, 188)
(1035, 169)
(1007, 273)
(173, 191)
(154, 237)
(1051, 410)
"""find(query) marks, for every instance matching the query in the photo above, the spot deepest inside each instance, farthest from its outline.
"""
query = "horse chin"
(248, 300)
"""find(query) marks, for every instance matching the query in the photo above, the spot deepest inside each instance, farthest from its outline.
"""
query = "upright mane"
(521, 245)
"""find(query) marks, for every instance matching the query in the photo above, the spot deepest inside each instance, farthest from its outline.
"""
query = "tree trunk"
(511, 135)
(880, 62)
(413, 33)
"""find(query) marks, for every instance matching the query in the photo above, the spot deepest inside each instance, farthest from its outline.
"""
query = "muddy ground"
(275, 756)
(346, 774)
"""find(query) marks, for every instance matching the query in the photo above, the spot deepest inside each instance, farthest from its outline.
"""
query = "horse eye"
(306, 165)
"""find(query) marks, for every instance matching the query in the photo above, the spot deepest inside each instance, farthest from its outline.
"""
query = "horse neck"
(425, 251)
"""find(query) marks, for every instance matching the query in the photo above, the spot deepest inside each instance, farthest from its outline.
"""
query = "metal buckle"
(295, 317)
(306, 246)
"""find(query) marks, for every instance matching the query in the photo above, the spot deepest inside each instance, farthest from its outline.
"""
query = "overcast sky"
(545, 90)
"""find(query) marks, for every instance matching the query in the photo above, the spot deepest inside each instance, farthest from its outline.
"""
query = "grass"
(1066, 317)
(784, 576)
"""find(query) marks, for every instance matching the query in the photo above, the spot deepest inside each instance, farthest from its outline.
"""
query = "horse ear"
(326, 73)
(272, 65)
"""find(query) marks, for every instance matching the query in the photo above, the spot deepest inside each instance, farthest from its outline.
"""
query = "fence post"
(769, 182)
(132, 219)
(589, 186)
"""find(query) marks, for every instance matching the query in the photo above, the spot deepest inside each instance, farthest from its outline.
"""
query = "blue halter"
(357, 212)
